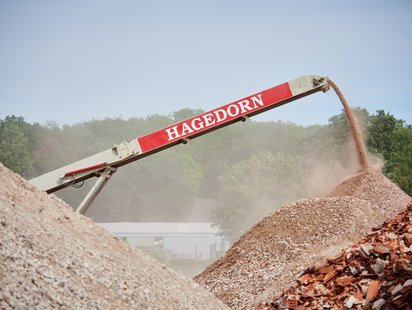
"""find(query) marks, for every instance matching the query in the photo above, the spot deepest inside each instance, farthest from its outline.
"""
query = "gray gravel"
(273, 253)
(53, 258)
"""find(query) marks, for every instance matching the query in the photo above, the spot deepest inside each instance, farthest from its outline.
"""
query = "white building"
(195, 239)
(178, 240)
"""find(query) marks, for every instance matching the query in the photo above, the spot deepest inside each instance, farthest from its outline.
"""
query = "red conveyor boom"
(104, 164)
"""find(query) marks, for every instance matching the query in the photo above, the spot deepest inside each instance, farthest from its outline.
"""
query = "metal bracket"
(126, 149)
(244, 118)
(95, 190)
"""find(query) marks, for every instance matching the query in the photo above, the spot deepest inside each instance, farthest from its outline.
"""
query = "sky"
(73, 61)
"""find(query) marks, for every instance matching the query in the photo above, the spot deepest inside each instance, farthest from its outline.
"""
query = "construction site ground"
(53, 257)
(278, 249)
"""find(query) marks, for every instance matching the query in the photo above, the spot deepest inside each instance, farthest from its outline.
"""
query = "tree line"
(250, 168)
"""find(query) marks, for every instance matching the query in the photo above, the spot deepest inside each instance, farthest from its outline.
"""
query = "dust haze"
(162, 187)
(324, 174)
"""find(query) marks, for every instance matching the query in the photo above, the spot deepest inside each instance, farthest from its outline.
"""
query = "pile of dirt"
(52, 258)
(375, 273)
(271, 255)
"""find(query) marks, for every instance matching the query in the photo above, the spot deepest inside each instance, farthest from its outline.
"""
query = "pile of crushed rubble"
(376, 273)
(273, 253)
(374, 187)
(53, 258)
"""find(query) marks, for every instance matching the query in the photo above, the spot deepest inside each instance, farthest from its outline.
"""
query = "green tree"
(392, 138)
(184, 114)
(401, 162)
(15, 146)
(381, 133)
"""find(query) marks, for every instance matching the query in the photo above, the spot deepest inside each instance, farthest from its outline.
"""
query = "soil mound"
(298, 236)
(52, 257)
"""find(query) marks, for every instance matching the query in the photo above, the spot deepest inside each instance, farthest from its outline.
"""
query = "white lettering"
(244, 106)
(172, 133)
(220, 114)
(257, 100)
(186, 129)
(215, 117)
(199, 124)
(209, 120)
(236, 110)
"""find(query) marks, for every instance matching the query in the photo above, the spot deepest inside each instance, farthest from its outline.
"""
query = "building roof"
(130, 228)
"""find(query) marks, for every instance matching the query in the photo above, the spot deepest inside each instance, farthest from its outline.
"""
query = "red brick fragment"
(305, 279)
(320, 277)
(381, 249)
(344, 281)
(406, 257)
(292, 303)
(406, 289)
(393, 244)
(393, 255)
(339, 268)
(368, 275)
(325, 269)
(373, 290)
(358, 295)
(329, 276)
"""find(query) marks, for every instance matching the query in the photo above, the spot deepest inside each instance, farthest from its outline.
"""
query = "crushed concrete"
(300, 235)
(55, 258)
(52, 257)
(374, 187)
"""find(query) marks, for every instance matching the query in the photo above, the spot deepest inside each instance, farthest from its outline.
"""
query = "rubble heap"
(374, 187)
(52, 257)
(300, 235)
(376, 273)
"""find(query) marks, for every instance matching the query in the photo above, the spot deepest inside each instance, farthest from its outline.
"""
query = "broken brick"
(320, 277)
(358, 295)
(329, 276)
(356, 280)
(373, 290)
(325, 269)
(292, 303)
(343, 281)
(381, 249)
(305, 279)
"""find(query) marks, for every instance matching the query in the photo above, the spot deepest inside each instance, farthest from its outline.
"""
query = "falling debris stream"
(360, 146)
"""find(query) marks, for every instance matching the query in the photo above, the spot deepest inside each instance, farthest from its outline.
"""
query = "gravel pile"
(298, 236)
(374, 187)
(375, 273)
(53, 258)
